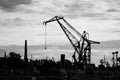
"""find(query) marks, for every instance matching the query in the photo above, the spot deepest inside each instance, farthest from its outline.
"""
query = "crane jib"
(82, 47)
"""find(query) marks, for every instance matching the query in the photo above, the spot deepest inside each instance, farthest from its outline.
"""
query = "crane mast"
(81, 45)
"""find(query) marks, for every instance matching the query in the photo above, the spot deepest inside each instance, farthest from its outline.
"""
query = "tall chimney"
(5, 55)
(62, 61)
(25, 53)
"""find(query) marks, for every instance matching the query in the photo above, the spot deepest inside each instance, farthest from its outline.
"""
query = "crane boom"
(82, 45)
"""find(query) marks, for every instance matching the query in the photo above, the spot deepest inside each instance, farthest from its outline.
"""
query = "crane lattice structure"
(81, 43)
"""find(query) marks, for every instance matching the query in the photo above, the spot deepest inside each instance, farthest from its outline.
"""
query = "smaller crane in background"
(115, 59)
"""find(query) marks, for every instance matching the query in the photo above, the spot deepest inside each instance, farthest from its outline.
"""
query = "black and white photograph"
(59, 39)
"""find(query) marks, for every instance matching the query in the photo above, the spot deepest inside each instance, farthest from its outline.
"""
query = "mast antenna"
(45, 39)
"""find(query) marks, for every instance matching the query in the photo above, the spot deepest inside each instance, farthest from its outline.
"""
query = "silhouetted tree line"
(13, 61)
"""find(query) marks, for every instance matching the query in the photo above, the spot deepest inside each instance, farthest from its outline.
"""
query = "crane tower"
(80, 42)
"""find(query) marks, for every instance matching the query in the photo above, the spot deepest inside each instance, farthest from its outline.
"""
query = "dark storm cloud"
(11, 4)
(113, 10)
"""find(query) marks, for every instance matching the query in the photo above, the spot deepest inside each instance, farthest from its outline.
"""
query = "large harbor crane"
(80, 42)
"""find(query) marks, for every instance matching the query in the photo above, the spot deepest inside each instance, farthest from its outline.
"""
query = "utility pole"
(113, 59)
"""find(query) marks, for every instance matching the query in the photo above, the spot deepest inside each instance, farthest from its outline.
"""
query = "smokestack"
(62, 61)
(25, 53)
(5, 55)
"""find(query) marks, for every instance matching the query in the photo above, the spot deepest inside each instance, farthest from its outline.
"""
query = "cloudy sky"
(22, 20)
